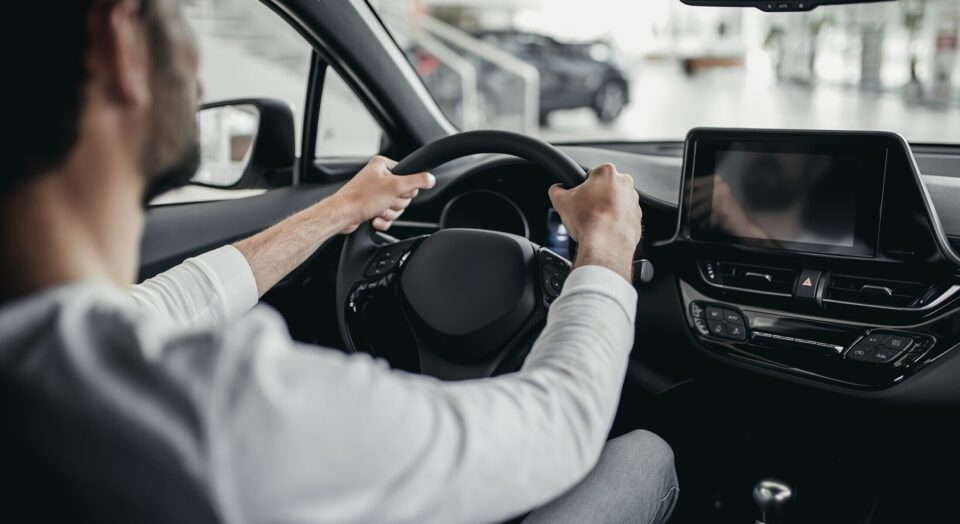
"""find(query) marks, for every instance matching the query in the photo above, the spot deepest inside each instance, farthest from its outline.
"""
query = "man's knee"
(648, 461)
(648, 452)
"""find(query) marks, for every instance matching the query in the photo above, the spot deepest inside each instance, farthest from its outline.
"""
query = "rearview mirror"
(245, 143)
(778, 5)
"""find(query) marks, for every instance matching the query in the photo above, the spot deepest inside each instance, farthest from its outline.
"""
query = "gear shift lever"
(771, 497)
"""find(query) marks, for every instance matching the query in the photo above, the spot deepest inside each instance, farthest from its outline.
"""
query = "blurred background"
(622, 69)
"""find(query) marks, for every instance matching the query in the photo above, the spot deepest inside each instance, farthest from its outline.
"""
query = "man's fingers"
(603, 170)
(400, 204)
(410, 194)
(391, 214)
(388, 162)
(381, 225)
(408, 183)
(556, 193)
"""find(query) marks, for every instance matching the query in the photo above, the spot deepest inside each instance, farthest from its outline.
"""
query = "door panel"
(174, 233)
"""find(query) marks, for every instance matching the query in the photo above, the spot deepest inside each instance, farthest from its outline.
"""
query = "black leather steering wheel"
(460, 303)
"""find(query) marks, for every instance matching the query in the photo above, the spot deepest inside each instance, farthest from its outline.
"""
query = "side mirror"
(246, 143)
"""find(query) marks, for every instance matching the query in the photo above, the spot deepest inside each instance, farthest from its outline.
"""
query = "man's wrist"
(607, 251)
(340, 209)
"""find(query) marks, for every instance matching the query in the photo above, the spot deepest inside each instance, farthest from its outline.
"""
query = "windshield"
(652, 69)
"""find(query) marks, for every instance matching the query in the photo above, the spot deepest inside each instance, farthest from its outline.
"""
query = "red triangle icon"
(807, 283)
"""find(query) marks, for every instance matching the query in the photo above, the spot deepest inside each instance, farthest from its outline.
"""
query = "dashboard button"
(714, 313)
(883, 355)
(874, 340)
(701, 326)
(860, 353)
(696, 310)
(732, 317)
(807, 284)
(920, 345)
(898, 343)
(736, 332)
(716, 327)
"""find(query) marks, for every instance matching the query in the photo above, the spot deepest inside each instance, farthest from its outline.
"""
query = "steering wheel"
(460, 303)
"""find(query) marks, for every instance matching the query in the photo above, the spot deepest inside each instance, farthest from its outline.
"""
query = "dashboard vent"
(878, 292)
(750, 277)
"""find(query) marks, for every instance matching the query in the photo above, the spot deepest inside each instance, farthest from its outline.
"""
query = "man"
(275, 431)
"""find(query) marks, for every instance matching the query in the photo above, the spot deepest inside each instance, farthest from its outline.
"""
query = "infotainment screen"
(803, 194)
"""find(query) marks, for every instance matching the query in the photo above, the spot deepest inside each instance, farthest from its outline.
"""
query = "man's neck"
(79, 223)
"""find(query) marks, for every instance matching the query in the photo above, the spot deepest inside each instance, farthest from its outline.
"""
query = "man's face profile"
(171, 152)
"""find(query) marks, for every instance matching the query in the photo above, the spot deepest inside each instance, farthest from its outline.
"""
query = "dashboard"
(814, 254)
(811, 257)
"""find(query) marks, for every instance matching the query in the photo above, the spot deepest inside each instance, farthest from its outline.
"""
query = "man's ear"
(118, 55)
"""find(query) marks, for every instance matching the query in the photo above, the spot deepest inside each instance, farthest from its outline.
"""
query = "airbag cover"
(471, 289)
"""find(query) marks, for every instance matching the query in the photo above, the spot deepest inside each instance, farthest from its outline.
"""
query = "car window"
(345, 127)
(246, 51)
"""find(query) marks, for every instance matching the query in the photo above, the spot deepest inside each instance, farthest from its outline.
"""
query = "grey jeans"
(634, 482)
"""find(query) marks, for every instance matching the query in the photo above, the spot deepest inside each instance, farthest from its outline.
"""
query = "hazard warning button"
(807, 284)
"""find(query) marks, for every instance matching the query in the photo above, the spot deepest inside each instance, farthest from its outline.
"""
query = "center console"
(814, 254)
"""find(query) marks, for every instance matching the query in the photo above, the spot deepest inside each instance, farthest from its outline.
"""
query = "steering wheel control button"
(384, 262)
(807, 284)
(553, 280)
(874, 339)
(554, 271)
(552, 259)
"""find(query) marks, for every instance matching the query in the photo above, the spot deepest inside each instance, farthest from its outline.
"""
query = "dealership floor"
(665, 104)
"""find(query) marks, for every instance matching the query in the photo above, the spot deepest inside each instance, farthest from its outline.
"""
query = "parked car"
(572, 75)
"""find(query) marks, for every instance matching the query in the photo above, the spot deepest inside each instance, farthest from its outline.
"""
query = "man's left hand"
(376, 193)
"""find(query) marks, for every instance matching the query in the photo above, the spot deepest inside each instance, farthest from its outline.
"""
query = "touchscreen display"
(792, 198)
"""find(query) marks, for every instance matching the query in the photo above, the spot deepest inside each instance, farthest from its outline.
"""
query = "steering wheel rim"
(360, 246)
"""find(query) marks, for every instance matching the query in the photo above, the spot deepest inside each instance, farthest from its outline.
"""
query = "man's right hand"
(603, 215)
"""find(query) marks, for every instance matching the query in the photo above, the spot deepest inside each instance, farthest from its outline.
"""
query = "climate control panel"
(858, 355)
(889, 348)
(719, 321)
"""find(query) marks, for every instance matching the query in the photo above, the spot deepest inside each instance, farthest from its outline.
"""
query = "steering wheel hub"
(470, 290)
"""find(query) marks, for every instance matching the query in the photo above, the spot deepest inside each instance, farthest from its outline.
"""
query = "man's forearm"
(275, 252)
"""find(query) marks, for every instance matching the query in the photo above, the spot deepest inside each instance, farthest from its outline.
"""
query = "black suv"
(571, 75)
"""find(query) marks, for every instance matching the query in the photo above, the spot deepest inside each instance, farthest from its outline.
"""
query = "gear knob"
(772, 497)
